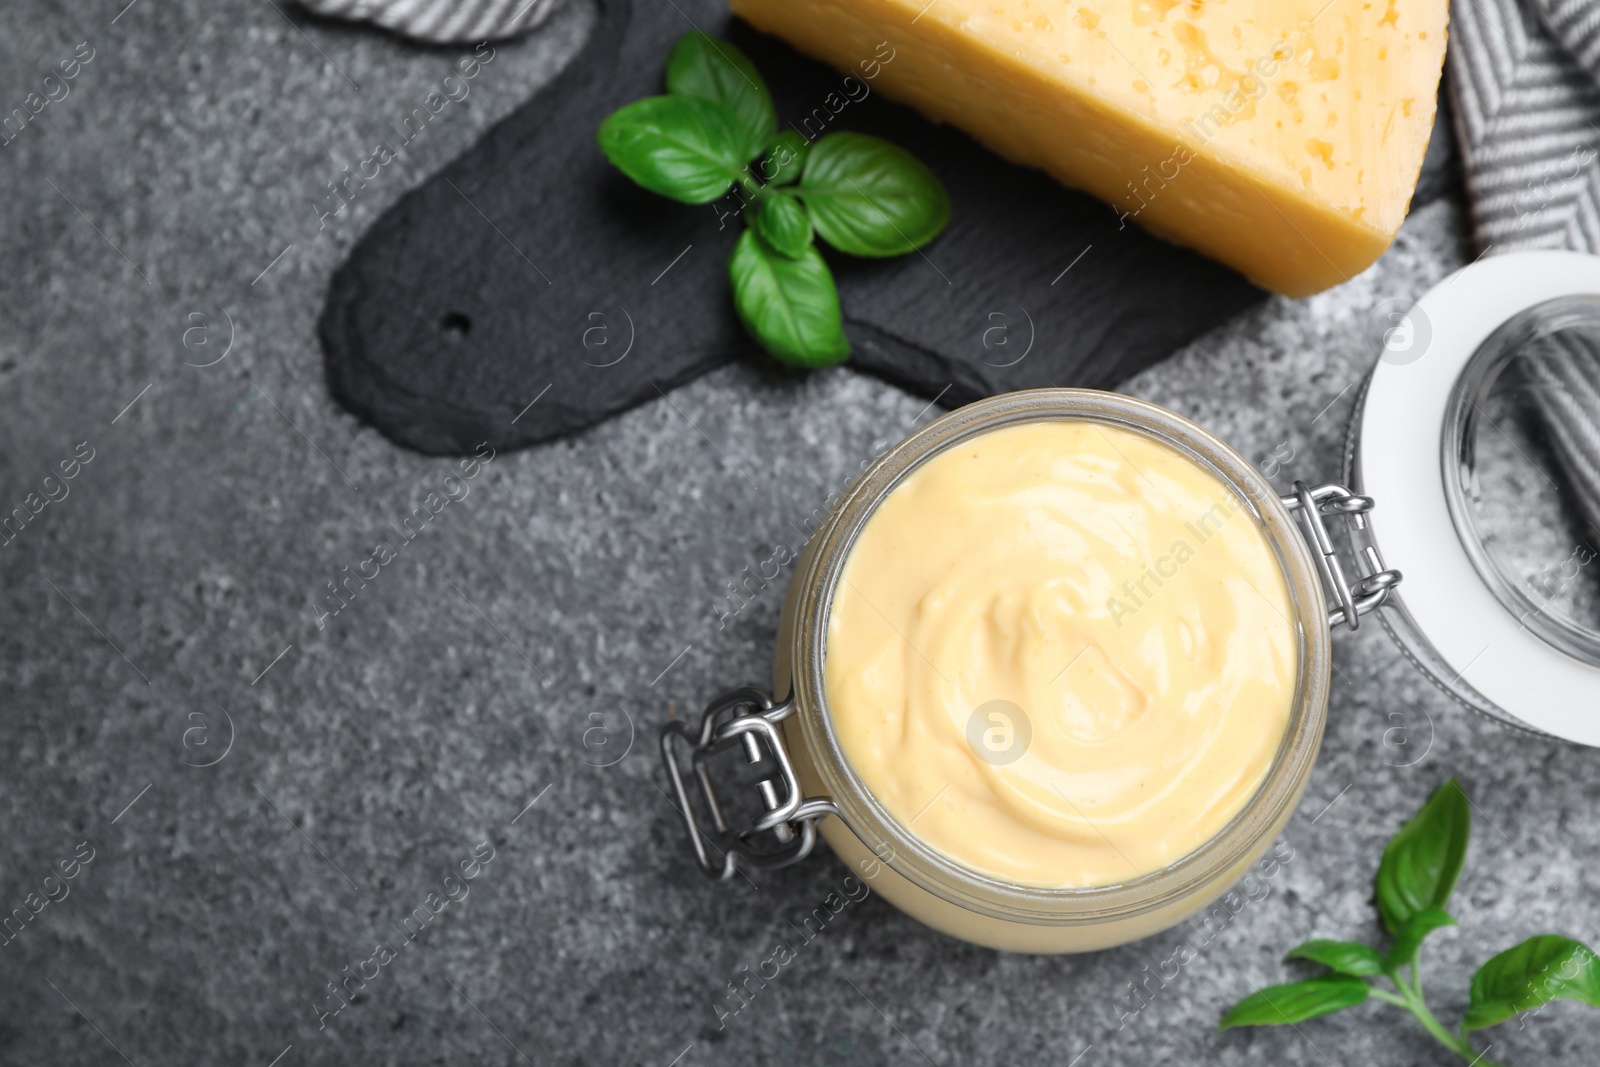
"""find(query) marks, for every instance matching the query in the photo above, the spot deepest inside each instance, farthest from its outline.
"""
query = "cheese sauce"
(1061, 654)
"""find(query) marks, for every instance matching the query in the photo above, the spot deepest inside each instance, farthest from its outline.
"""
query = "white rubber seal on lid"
(1398, 464)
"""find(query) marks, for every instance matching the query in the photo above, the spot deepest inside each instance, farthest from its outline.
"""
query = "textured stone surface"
(576, 579)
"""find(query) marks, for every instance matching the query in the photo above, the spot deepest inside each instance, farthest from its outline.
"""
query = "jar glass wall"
(954, 898)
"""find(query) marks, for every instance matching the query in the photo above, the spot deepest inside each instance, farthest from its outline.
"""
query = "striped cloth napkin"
(441, 21)
(1525, 82)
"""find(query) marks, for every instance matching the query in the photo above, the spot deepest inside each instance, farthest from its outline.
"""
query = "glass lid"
(1480, 443)
(1522, 469)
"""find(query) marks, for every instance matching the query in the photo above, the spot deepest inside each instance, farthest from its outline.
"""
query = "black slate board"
(529, 290)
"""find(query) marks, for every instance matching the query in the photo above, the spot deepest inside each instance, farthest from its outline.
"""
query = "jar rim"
(1505, 346)
(1237, 843)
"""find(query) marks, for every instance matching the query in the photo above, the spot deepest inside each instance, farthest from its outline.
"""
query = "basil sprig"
(1415, 878)
(716, 130)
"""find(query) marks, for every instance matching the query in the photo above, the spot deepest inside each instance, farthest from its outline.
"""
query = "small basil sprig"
(715, 130)
(1419, 869)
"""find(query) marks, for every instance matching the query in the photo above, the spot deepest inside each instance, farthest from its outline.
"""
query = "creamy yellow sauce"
(1061, 654)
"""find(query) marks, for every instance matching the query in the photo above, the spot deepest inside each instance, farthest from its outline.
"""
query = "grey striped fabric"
(1576, 24)
(1525, 81)
(442, 21)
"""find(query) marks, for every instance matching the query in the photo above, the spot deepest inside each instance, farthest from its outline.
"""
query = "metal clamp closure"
(746, 717)
(1372, 588)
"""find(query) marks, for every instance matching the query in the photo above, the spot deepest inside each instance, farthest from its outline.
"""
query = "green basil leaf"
(1279, 1004)
(713, 69)
(1409, 939)
(781, 166)
(870, 198)
(1422, 862)
(790, 306)
(1346, 957)
(1539, 970)
(679, 146)
(783, 224)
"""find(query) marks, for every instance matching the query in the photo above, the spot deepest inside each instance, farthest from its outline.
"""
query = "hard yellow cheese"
(1282, 137)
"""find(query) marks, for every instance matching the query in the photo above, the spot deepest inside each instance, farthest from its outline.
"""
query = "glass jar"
(799, 782)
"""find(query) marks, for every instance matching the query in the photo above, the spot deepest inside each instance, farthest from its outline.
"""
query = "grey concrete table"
(462, 704)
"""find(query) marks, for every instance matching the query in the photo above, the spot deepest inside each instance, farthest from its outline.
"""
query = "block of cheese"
(1282, 137)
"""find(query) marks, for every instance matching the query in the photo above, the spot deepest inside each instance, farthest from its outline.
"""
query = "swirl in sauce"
(1061, 654)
